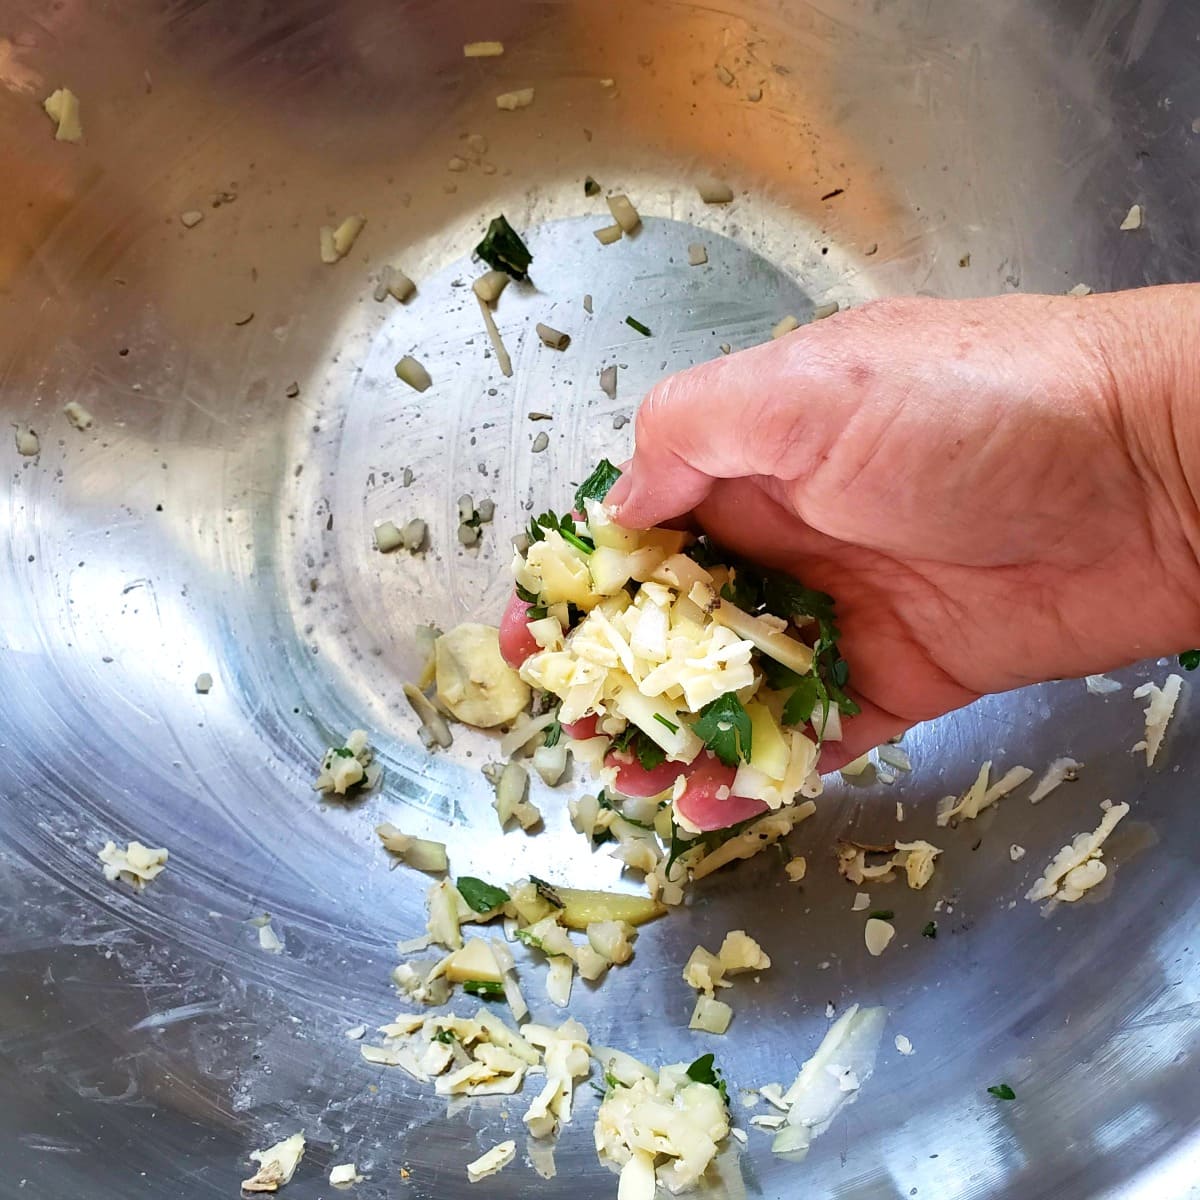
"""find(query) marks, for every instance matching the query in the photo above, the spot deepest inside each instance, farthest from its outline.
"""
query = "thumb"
(737, 416)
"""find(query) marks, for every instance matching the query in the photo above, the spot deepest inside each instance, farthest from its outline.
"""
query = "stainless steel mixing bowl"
(211, 522)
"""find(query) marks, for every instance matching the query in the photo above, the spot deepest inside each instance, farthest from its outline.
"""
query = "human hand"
(996, 492)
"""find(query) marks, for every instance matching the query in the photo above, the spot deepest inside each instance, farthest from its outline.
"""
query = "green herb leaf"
(1189, 660)
(546, 891)
(647, 751)
(798, 707)
(634, 323)
(612, 1082)
(503, 250)
(598, 484)
(679, 845)
(485, 989)
(724, 727)
(445, 1036)
(669, 724)
(703, 1070)
(529, 939)
(553, 733)
(1002, 1092)
(882, 914)
(565, 526)
(343, 752)
(930, 930)
(480, 897)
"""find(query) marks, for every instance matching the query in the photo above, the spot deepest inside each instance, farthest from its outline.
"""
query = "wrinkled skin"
(997, 492)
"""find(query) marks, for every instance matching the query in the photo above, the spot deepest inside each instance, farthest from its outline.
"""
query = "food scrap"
(276, 1165)
(62, 107)
(137, 865)
(1078, 867)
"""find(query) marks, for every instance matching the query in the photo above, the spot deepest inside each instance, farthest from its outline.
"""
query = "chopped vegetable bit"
(79, 416)
(634, 323)
(883, 914)
(503, 249)
(715, 191)
(337, 242)
(704, 1070)
(344, 1175)
(554, 338)
(62, 107)
(485, 989)
(496, 1159)
(137, 865)
(1002, 1092)
(511, 101)
(930, 930)
(878, 934)
(483, 49)
(1189, 660)
(421, 853)
(623, 212)
(481, 897)
(607, 234)
(784, 326)
(204, 683)
(697, 254)
(277, 1164)
(591, 187)
(28, 443)
(191, 218)
(413, 373)
(1133, 218)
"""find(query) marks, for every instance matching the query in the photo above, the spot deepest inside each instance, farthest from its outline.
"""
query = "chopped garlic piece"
(277, 1164)
(496, 1159)
(511, 101)
(623, 212)
(483, 49)
(554, 338)
(337, 242)
(27, 441)
(878, 934)
(861, 900)
(191, 218)
(786, 325)
(204, 683)
(137, 865)
(697, 254)
(1079, 290)
(1158, 712)
(828, 309)
(62, 107)
(894, 757)
(607, 234)
(347, 766)
(1101, 685)
(903, 1044)
(269, 940)
(1077, 867)
(345, 1175)
(1015, 852)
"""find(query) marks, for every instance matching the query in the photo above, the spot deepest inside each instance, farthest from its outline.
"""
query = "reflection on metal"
(216, 519)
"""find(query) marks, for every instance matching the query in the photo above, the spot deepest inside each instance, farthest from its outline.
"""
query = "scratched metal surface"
(208, 522)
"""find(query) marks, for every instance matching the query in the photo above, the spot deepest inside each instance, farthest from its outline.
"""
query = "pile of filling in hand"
(675, 669)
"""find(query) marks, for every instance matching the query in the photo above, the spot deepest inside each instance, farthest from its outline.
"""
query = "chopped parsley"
(612, 1082)
(1002, 1092)
(805, 689)
(529, 939)
(930, 930)
(724, 727)
(480, 897)
(553, 733)
(485, 989)
(1189, 660)
(565, 526)
(669, 724)
(343, 752)
(503, 250)
(546, 891)
(537, 610)
(445, 1036)
(598, 484)
(647, 751)
(882, 914)
(634, 323)
(704, 1070)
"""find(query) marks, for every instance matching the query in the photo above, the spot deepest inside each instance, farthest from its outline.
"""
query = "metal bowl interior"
(212, 522)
